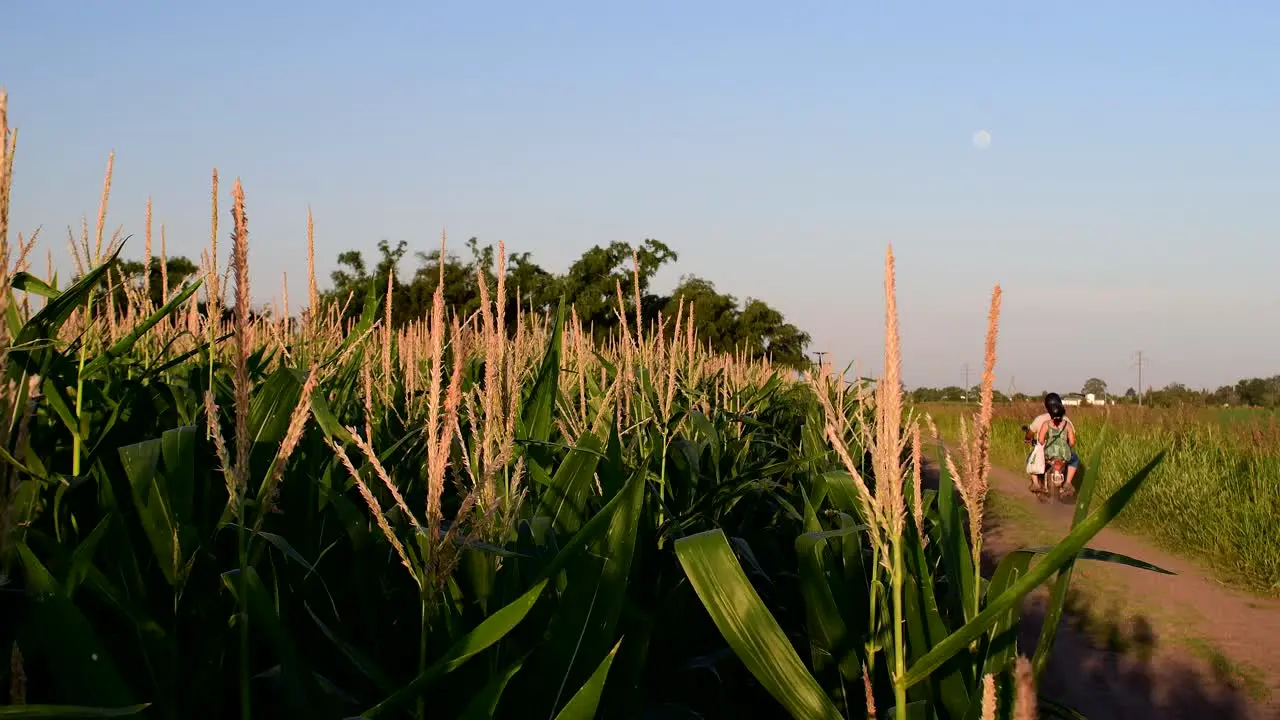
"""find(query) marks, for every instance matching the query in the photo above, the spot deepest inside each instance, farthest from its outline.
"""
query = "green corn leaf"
(141, 465)
(359, 660)
(479, 568)
(32, 347)
(949, 687)
(27, 282)
(300, 683)
(328, 422)
(1055, 559)
(565, 498)
(272, 405)
(11, 317)
(538, 413)
(178, 453)
(951, 536)
(583, 625)
(494, 628)
(844, 495)
(286, 548)
(854, 572)
(61, 403)
(126, 343)
(709, 435)
(750, 630)
(82, 557)
(1003, 637)
(1002, 647)
(1107, 556)
(368, 316)
(484, 704)
(829, 635)
(613, 473)
(583, 704)
(1058, 599)
(594, 529)
(57, 632)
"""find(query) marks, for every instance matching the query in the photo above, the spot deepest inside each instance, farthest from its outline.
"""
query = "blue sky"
(1127, 200)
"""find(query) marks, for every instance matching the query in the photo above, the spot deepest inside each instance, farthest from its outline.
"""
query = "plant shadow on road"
(1104, 663)
(1106, 666)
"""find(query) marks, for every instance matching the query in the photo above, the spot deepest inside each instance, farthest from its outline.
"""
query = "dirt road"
(1138, 644)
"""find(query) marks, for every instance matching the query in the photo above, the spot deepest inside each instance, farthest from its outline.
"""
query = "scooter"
(1055, 478)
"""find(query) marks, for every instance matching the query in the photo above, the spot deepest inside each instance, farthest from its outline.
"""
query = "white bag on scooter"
(1035, 461)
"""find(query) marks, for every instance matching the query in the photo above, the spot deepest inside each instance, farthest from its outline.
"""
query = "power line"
(820, 354)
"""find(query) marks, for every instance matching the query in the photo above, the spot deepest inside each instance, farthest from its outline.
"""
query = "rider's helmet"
(1053, 405)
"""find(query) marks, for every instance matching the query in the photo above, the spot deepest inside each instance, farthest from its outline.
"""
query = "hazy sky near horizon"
(1127, 200)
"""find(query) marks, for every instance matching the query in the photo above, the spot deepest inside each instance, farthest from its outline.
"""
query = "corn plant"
(899, 620)
(210, 512)
(216, 515)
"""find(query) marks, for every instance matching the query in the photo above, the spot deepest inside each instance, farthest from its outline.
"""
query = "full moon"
(982, 139)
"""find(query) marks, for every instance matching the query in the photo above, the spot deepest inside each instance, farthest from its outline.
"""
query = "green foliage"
(948, 650)
(756, 329)
(752, 328)
(661, 534)
(177, 270)
(130, 574)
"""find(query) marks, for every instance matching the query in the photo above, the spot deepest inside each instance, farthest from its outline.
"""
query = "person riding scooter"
(1031, 434)
(1057, 435)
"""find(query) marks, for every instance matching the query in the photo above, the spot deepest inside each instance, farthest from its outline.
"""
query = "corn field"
(207, 512)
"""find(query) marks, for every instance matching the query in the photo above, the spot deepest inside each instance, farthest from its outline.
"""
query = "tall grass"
(1217, 496)
(209, 512)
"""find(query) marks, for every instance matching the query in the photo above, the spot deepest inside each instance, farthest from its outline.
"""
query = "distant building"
(1077, 399)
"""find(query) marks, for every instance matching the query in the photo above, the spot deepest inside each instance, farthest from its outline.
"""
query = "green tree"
(765, 333)
(1175, 395)
(924, 395)
(589, 285)
(714, 314)
(1259, 392)
(755, 328)
(176, 271)
(127, 279)
(1095, 386)
(1225, 395)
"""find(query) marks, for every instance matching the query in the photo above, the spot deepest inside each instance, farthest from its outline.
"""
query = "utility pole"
(1141, 362)
(819, 355)
(965, 370)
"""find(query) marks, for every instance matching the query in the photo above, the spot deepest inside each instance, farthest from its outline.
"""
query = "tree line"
(1248, 392)
(589, 285)
(751, 326)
